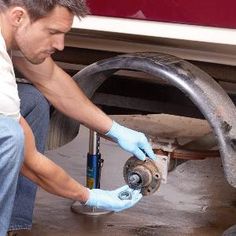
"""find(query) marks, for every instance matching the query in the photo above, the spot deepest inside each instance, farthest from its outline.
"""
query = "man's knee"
(11, 138)
(40, 101)
(32, 100)
(36, 111)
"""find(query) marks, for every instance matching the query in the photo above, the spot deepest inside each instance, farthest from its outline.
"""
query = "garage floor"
(195, 201)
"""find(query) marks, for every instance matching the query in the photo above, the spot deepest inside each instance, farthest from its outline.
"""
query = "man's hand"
(109, 200)
(131, 141)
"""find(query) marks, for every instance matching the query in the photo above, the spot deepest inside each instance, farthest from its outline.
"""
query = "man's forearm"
(46, 173)
(71, 101)
(67, 97)
(54, 179)
(61, 90)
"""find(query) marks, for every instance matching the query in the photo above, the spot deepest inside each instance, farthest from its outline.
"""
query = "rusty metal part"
(189, 154)
(143, 175)
(204, 92)
(206, 142)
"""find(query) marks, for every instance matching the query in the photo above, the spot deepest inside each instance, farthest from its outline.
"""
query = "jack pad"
(78, 208)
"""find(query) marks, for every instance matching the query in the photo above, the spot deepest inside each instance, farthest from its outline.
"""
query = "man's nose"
(59, 42)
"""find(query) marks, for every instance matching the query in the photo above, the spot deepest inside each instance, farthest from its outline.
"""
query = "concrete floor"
(195, 201)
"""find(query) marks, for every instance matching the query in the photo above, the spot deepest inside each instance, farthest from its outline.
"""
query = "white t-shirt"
(9, 98)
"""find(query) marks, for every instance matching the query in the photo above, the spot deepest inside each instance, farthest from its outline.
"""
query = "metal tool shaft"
(134, 179)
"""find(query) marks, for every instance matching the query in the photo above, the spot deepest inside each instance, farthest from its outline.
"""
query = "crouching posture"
(30, 32)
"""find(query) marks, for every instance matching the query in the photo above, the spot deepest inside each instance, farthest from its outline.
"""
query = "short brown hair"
(39, 9)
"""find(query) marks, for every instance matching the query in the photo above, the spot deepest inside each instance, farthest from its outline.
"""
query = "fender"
(198, 86)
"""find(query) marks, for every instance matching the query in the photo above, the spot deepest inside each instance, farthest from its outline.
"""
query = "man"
(36, 29)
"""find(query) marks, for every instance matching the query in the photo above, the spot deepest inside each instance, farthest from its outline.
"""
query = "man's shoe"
(19, 233)
(230, 232)
(12, 233)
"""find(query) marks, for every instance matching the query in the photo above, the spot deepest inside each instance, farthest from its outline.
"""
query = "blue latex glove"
(109, 200)
(131, 141)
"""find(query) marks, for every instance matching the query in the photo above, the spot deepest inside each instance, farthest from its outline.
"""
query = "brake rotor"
(143, 175)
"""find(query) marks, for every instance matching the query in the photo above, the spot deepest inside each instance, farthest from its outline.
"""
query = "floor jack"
(93, 175)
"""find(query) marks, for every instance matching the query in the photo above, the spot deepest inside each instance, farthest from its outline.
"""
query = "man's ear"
(17, 15)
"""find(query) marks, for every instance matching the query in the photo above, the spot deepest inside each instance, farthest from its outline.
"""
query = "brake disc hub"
(143, 175)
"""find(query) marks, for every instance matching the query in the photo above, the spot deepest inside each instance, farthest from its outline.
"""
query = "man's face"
(38, 40)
